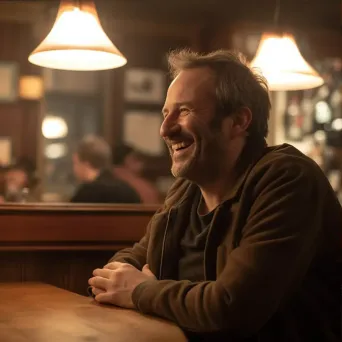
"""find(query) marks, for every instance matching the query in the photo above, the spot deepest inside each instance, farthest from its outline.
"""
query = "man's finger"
(97, 291)
(99, 282)
(104, 298)
(101, 272)
(113, 265)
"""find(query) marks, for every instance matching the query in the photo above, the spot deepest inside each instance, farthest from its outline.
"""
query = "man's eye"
(184, 110)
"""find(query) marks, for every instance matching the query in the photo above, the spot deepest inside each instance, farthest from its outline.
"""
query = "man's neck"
(92, 175)
(214, 193)
(215, 188)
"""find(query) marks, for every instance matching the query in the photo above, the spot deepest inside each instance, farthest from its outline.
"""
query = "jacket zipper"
(207, 241)
(163, 246)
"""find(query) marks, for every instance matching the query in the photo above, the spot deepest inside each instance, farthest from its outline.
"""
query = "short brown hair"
(96, 151)
(237, 85)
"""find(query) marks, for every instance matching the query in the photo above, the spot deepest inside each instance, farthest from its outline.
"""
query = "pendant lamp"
(77, 41)
(282, 64)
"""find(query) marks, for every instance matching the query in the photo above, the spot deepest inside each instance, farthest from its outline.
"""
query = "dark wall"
(19, 119)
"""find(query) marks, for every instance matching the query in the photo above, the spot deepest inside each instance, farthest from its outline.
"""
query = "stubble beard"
(203, 165)
(186, 169)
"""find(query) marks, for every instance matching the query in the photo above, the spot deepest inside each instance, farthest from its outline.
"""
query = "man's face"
(15, 180)
(79, 168)
(190, 127)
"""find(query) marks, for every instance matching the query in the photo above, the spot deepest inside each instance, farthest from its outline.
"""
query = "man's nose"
(169, 127)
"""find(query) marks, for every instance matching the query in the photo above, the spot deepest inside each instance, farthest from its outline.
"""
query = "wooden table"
(34, 312)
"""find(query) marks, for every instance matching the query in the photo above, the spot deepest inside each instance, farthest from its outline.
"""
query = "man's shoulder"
(288, 163)
(275, 161)
(285, 157)
(179, 191)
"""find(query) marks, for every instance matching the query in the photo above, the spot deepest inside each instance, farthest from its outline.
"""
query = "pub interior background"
(45, 112)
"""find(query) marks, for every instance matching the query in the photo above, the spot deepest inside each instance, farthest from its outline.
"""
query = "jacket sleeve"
(277, 245)
(136, 255)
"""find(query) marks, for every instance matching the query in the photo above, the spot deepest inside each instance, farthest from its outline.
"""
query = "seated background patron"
(128, 166)
(20, 182)
(92, 165)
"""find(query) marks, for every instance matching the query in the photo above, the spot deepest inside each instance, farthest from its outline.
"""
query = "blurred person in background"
(92, 166)
(20, 182)
(128, 166)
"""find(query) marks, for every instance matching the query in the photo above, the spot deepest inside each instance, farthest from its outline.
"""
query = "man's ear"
(241, 121)
(86, 164)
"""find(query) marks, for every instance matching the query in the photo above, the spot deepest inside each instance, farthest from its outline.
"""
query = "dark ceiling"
(325, 13)
(300, 13)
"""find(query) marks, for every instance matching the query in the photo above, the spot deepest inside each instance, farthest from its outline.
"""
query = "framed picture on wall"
(8, 81)
(141, 130)
(72, 82)
(144, 86)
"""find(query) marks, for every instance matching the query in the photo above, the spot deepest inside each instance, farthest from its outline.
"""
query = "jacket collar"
(246, 162)
(182, 190)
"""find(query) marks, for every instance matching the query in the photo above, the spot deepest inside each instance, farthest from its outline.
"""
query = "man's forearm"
(130, 256)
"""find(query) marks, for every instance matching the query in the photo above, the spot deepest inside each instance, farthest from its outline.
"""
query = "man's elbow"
(236, 324)
(239, 318)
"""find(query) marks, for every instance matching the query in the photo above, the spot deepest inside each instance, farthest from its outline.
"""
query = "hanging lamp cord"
(77, 4)
(276, 13)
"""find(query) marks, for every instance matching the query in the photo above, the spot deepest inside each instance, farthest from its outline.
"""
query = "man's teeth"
(178, 146)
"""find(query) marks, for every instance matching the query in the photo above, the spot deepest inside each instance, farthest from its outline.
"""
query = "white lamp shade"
(283, 66)
(77, 42)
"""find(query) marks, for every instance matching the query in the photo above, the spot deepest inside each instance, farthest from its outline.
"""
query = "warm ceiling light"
(282, 64)
(77, 41)
(31, 87)
(54, 127)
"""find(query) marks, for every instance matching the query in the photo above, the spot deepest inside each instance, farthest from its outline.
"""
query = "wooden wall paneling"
(31, 131)
(66, 228)
(145, 45)
(66, 269)
(18, 120)
(11, 123)
(62, 245)
(147, 53)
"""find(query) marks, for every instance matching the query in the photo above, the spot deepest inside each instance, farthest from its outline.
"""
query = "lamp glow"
(77, 41)
(282, 64)
(54, 127)
(31, 87)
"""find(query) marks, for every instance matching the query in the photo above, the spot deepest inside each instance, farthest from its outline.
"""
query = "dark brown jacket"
(270, 259)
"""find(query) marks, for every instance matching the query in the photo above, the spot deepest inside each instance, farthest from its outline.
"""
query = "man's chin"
(182, 171)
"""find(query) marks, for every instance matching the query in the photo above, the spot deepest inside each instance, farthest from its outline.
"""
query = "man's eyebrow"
(185, 103)
(177, 105)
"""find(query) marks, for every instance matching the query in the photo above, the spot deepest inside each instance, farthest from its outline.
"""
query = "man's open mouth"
(181, 146)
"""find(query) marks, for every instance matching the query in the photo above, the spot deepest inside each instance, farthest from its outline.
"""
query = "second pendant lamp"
(282, 64)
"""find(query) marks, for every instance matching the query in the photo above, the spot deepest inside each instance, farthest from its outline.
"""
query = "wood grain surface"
(34, 312)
